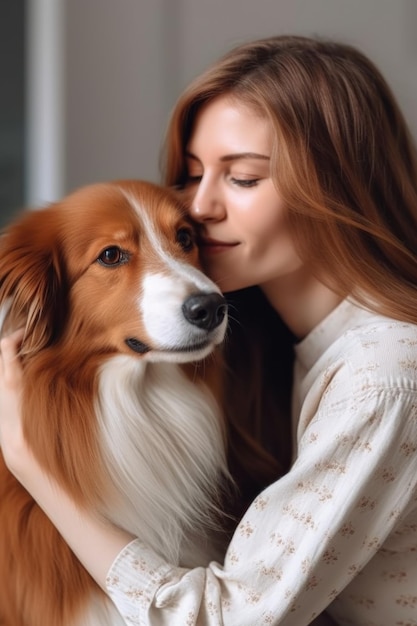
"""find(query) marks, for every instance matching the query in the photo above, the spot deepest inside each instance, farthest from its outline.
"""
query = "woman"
(302, 177)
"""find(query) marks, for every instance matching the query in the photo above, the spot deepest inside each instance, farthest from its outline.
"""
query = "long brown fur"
(75, 317)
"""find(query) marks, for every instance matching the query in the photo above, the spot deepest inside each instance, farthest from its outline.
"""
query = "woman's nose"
(207, 206)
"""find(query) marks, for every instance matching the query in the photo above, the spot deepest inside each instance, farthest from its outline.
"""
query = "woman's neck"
(301, 301)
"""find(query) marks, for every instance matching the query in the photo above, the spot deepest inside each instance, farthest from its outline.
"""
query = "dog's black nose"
(205, 310)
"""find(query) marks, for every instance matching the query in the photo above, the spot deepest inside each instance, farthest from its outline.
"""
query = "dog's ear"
(31, 277)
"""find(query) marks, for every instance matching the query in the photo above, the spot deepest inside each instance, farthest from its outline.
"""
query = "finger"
(11, 343)
(11, 370)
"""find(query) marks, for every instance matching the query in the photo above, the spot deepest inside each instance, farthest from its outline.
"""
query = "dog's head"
(113, 265)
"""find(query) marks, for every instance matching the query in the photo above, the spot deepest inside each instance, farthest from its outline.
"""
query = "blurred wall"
(125, 62)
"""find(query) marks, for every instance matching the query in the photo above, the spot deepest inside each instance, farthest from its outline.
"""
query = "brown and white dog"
(120, 387)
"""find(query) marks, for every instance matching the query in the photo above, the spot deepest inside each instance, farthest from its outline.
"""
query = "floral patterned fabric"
(340, 529)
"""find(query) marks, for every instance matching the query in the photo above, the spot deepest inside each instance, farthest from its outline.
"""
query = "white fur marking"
(163, 295)
(163, 449)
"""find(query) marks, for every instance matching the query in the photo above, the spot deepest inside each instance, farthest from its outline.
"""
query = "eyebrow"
(234, 157)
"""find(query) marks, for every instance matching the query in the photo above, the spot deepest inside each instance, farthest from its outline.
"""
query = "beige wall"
(126, 61)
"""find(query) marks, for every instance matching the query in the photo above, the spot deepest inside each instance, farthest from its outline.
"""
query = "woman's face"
(244, 236)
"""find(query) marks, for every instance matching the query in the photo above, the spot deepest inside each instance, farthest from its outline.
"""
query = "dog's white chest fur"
(161, 439)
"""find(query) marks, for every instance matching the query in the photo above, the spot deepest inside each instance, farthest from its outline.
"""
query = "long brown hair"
(346, 168)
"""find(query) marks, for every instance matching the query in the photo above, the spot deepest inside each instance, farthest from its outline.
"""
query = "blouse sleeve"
(307, 535)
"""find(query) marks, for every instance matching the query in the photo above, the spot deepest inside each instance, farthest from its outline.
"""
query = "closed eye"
(113, 256)
(245, 182)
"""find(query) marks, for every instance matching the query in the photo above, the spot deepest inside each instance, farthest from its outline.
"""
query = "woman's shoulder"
(377, 352)
(363, 374)
(359, 349)
(380, 339)
(354, 332)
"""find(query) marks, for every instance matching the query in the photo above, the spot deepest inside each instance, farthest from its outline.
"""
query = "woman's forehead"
(235, 127)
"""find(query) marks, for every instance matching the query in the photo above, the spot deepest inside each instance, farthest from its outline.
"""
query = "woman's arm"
(94, 542)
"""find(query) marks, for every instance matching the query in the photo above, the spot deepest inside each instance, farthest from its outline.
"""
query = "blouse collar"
(345, 316)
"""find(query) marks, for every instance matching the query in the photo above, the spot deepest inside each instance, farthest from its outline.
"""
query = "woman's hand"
(12, 441)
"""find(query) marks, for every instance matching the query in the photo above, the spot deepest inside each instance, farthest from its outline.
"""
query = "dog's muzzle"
(206, 311)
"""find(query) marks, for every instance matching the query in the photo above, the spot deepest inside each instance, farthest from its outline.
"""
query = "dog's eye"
(112, 256)
(185, 238)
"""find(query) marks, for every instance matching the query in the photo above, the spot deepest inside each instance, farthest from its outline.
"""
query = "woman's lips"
(212, 246)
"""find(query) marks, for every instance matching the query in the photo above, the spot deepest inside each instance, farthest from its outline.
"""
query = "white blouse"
(340, 529)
